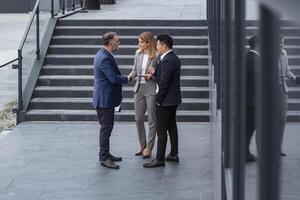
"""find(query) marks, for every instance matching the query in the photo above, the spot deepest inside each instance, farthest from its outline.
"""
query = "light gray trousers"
(283, 106)
(144, 100)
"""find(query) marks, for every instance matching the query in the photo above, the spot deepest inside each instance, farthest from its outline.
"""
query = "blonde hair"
(148, 37)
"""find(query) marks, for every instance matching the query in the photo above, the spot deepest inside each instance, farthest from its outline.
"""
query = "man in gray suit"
(284, 74)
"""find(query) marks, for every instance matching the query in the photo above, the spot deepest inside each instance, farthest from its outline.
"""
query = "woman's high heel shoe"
(140, 152)
(146, 153)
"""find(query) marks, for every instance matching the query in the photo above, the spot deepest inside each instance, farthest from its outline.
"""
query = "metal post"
(52, 8)
(226, 84)
(218, 51)
(20, 87)
(73, 5)
(38, 32)
(268, 109)
(239, 103)
(63, 6)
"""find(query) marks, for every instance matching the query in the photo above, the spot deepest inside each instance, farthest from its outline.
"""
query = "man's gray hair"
(107, 37)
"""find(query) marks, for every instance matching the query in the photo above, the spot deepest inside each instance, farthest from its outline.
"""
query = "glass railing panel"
(251, 155)
(9, 90)
(29, 53)
(45, 17)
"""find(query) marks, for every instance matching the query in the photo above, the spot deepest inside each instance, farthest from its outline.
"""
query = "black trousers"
(250, 126)
(166, 124)
(106, 120)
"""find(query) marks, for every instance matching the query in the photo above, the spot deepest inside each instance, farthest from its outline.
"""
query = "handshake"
(148, 76)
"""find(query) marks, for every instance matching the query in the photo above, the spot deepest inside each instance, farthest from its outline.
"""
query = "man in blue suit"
(107, 95)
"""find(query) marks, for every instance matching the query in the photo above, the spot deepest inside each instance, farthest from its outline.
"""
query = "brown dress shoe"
(109, 164)
(115, 158)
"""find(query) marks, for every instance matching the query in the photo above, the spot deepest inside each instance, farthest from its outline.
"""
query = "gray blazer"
(137, 70)
(284, 71)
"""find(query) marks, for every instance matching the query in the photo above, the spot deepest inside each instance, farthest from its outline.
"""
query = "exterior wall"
(16, 6)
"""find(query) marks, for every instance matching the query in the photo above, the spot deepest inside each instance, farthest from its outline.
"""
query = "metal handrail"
(29, 24)
(19, 66)
(9, 62)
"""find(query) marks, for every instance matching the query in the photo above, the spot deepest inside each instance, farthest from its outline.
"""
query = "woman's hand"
(148, 77)
(150, 70)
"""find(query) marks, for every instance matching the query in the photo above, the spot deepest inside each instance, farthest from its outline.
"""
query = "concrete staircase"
(291, 33)
(64, 89)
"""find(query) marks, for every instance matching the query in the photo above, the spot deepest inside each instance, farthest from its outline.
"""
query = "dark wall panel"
(16, 6)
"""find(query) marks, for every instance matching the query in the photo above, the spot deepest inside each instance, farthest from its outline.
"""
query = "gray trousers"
(144, 100)
(283, 106)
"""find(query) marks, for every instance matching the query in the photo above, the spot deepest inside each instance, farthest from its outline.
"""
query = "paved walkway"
(59, 161)
(290, 169)
(149, 9)
(14, 26)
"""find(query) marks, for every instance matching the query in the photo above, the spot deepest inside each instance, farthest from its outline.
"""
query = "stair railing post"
(63, 6)
(52, 8)
(20, 87)
(38, 33)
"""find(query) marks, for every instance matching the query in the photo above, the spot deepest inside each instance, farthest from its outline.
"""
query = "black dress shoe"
(171, 158)
(283, 154)
(109, 164)
(115, 158)
(154, 163)
(250, 158)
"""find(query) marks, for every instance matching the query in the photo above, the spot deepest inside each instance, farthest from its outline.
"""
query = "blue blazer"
(108, 81)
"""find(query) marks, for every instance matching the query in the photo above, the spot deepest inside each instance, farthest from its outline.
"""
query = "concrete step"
(124, 49)
(87, 91)
(143, 22)
(201, 70)
(288, 40)
(125, 40)
(127, 104)
(90, 115)
(293, 116)
(131, 30)
(282, 23)
(295, 69)
(84, 80)
(294, 92)
(73, 59)
(294, 104)
(65, 86)
(292, 49)
(286, 30)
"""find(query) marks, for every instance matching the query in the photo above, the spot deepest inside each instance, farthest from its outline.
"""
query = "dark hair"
(107, 37)
(253, 41)
(166, 39)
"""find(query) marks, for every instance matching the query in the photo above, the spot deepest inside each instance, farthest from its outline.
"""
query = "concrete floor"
(52, 161)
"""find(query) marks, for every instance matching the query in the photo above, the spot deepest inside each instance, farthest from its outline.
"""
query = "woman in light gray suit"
(285, 73)
(144, 92)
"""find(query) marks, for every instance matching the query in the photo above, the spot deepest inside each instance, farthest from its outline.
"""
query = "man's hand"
(129, 77)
